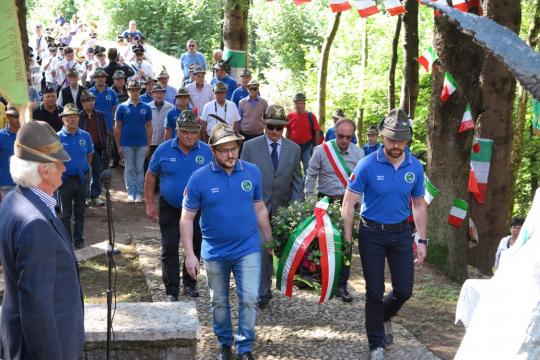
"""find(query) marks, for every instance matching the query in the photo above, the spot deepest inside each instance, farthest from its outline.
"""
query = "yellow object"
(3, 116)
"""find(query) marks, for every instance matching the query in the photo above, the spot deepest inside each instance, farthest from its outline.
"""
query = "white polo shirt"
(228, 112)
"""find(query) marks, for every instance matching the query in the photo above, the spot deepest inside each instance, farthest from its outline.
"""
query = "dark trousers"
(151, 149)
(345, 272)
(72, 196)
(97, 168)
(114, 154)
(375, 246)
(169, 224)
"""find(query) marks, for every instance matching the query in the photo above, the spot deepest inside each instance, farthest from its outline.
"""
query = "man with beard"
(174, 161)
(228, 192)
(385, 182)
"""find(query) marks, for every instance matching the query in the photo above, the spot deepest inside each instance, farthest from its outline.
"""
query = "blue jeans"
(247, 274)
(306, 152)
(375, 246)
(134, 171)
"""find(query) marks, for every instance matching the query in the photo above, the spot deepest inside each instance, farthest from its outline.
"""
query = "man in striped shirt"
(200, 92)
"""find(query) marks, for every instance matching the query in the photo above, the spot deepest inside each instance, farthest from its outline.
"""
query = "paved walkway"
(295, 328)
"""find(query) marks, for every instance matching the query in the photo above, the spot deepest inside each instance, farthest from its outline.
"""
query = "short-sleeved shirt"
(187, 59)
(387, 191)
(229, 82)
(331, 134)
(133, 118)
(170, 121)
(78, 145)
(299, 129)
(174, 168)
(228, 220)
(7, 140)
(134, 34)
(146, 99)
(368, 149)
(159, 118)
(51, 118)
(105, 101)
(238, 94)
(227, 112)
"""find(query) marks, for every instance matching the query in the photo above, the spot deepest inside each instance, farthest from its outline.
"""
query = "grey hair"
(25, 172)
(345, 121)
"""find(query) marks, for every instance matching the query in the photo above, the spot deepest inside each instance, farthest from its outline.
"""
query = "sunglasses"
(253, 88)
(191, 45)
(274, 127)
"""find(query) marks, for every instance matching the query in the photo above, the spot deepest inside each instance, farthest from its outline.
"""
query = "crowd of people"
(223, 161)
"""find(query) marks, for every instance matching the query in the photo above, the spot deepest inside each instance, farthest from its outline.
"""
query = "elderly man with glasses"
(251, 110)
(191, 56)
(330, 166)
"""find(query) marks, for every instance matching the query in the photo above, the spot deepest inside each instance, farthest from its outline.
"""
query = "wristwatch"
(423, 241)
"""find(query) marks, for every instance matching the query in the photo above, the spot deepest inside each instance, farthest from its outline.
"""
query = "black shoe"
(245, 356)
(115, 165)
(263, 301)
(172, 298)
(225, 353)
(191, 291)
(79, 245)
(344, 294)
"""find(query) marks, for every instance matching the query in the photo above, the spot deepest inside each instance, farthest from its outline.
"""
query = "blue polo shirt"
(230, 82)
(145, 98)
(187, 59)
(368, 149)
(228, 221)
(170, 121)
(78, 146)
(331, 134)
(105, 101)
(134, 119)
(174, 168)
(7, 140)
(238, 94)
(387, 191)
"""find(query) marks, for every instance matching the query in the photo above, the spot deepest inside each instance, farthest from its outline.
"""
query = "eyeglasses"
(341, 136)
(253, 88)
(232, 151)
(274, 127)
(191, 45)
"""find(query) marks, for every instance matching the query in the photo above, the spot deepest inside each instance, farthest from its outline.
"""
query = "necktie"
(274, 155)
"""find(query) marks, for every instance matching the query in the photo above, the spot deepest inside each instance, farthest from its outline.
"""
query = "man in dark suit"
(278, 160)
(42, 311)
(71, 94)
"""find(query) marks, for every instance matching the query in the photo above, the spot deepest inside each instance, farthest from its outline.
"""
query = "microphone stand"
(106, 177)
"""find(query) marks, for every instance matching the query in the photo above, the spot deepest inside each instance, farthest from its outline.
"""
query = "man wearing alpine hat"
(385, 182)
(228, 193)
(174, 161)
(42, 310)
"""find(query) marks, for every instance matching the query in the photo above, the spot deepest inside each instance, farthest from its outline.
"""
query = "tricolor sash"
(336, 160)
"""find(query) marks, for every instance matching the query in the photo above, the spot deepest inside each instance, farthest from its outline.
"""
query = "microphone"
(106, 177)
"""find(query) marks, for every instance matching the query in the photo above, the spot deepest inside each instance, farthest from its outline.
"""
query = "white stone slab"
(143, 321)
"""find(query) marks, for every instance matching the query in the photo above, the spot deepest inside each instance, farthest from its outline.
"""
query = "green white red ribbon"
(336, 160)
(320, 225)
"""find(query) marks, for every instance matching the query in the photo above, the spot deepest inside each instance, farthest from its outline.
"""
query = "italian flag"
(431, 191)
(300, 2)
(480, 162)
(394, 7)
(449, 87)
(339, 5)
(458, 212)
(461, 5)
(366, 8)
(467, 120)
(536, 118)
(427, 59)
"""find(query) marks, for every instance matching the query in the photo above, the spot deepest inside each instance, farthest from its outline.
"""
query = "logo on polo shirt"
(409, 177)
(128, 110)
(199, 159)
(143, 111)
(82, 142)
(380, 177)
(352, 177)
(108, 97)
(247, 185)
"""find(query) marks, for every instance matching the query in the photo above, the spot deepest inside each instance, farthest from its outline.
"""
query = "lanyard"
(225, 114)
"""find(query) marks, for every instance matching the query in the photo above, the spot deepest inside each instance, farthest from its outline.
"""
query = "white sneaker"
(130, 199)
(377, 354)
(139, 199)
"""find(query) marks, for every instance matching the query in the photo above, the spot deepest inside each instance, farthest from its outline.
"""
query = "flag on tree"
(427, 59)
(458, 212)
(300, 2)
(480, 162)
(461, 5)
(449, 87)
(536, 120)
(339, 5)
(467, 120)
(394, 7)
(366, 8)
(431, 191)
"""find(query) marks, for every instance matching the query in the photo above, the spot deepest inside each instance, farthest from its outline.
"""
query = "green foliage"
(168, 25)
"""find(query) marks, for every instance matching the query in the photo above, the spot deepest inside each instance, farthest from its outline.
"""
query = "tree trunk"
(409, 88)
(235, 34)
(449, 151)
(323, 70)
(519, 127)
(393, 64)
(498, 88)
(363, 66)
